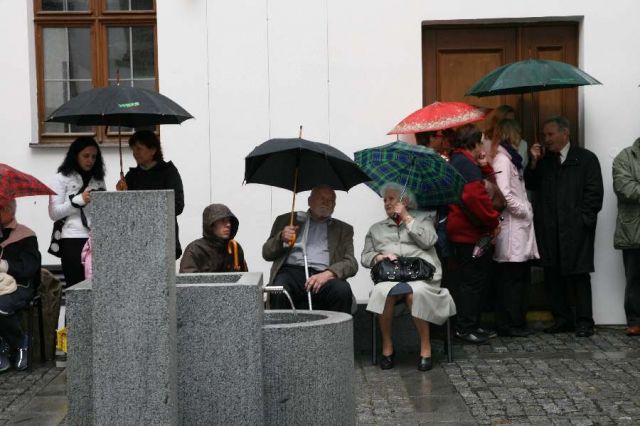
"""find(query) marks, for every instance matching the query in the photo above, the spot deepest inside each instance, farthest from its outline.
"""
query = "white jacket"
(60, 204)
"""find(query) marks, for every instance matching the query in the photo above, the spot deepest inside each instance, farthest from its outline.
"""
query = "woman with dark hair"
(81, 172)
(153, 173)
(471, 225)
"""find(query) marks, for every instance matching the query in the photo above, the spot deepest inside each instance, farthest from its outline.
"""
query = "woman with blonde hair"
(516, 242)
(503, 112)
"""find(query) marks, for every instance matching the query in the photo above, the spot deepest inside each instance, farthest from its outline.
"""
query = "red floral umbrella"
(440, 116)
(14, 183)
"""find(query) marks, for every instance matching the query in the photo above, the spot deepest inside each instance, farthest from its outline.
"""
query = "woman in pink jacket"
(516, 242)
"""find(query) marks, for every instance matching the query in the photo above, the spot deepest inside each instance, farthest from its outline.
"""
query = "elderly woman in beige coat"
(411, 234)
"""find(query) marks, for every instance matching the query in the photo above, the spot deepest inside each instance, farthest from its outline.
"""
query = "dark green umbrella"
(433, 181)
(531, 75)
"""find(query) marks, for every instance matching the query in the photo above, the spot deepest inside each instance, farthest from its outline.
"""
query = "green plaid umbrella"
(433, 181)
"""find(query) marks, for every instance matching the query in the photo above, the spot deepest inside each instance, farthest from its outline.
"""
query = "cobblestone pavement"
(540, 380)
(19, 389)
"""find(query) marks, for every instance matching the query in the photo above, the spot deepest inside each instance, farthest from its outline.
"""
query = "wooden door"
(454, 57)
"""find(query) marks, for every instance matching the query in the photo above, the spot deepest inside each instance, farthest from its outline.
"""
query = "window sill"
(36, 145)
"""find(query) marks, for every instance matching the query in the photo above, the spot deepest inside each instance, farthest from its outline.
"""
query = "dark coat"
(210, 253)
(23, 259)
(163, 175)
(567, 200)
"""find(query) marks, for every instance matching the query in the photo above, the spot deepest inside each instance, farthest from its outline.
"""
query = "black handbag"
(402, 269)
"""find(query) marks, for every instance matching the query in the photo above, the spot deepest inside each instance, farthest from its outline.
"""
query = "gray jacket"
(626, 184)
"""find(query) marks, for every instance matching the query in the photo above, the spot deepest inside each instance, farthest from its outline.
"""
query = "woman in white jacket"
(81, 172)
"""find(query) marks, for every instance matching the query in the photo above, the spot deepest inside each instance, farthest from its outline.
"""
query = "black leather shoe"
(559, 327)
(520, 332)
(21, 359)
(584, 331)
(386, 362)
(472, 337)
(425, 364)
(487, 332)
(515, 332)
(5, 364)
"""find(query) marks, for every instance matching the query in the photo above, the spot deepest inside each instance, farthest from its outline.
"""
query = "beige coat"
(430, 302)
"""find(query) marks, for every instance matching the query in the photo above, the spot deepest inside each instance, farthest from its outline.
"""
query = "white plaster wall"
(347, 71)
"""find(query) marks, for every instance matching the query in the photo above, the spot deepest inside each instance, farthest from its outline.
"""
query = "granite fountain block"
(219, 348)
(134, 313)
(79, 354)
(308, 368)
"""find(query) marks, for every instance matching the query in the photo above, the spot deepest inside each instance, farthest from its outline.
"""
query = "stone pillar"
(134, 308)
(220, 349)
(308, 368)
(79, 301)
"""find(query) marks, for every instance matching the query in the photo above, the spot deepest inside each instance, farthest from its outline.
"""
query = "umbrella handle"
(122, 183)
(292, 241)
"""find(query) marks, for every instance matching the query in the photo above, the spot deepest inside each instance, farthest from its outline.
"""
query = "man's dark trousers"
(335, 295)
(558, 287)
(631, 258)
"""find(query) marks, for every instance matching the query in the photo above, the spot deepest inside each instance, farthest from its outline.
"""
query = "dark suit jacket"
(567, 200)
(340, 239)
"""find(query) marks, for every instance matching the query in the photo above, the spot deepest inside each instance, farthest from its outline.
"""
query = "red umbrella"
(440, 116)
(14, 183)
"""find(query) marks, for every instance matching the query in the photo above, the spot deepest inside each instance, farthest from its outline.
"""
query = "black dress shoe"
(472, 337)
(487, 332)
(515, 332)
(559, 327)
(386, 362)
(425, 364)
(584, 331)
(520, 332)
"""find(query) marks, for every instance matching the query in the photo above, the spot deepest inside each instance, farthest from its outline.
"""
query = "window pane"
(129, 4)
(65, 5)
(143, 52)
(67, 53)
(118, 53)
(55, 94)
(67, 71)
(131, 51)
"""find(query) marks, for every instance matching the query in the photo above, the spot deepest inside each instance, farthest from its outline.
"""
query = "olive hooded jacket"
(626, 184)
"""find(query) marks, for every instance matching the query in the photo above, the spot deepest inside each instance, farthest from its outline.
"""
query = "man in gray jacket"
(329, 249)
(626, 184)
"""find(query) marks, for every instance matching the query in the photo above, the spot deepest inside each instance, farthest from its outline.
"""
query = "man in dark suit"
(328, 243)
(568, 196)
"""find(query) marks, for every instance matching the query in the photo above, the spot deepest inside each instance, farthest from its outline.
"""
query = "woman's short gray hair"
(408, 196)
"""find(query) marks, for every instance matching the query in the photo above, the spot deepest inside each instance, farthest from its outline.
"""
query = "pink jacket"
(86, 259)
(516, 241)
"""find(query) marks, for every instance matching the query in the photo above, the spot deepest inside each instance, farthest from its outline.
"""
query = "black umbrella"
(120, 106)
(299, 165)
